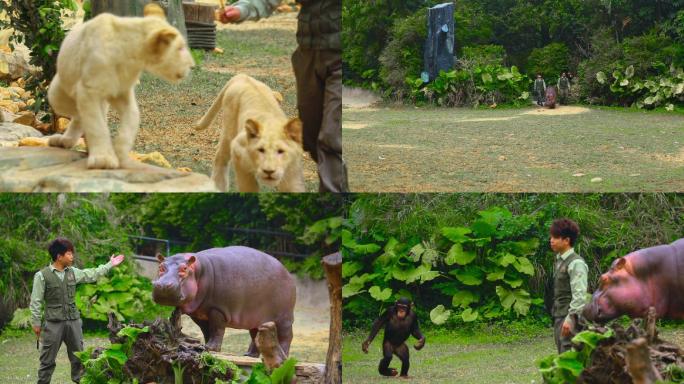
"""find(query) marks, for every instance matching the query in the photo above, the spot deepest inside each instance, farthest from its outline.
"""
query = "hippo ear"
(160, 257)
(619, 264)
(191, 262)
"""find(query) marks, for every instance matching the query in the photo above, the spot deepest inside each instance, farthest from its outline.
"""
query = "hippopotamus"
(650, 277)
(550, 97)
(236, 287)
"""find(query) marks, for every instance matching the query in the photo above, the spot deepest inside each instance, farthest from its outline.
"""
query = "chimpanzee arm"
(415, 332)
(379, 323)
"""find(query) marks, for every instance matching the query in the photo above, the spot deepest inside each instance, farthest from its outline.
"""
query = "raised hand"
(116, 260)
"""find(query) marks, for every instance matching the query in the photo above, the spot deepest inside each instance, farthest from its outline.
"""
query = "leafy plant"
(567, 367)
(39, 26)
(666, 89)
(280, 375)
(21, 319)
(125, 294)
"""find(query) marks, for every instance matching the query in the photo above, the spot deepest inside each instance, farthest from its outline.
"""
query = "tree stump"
(266, 340)
(199, 21)
(173, 9)
(439, 46)
(333, 271)
(639, 365)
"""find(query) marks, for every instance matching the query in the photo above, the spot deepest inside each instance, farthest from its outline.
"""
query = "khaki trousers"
(53, 334)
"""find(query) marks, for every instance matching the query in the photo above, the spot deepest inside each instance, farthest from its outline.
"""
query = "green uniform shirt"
(578, 272)
(89, 275)
(319, 22)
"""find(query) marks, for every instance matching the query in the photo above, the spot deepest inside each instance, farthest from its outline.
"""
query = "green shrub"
(403, 55)
(366, 27)
(482, 55)
(550, 61)
(473, 86)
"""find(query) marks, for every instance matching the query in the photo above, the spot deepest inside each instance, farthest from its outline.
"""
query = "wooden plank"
(307, 373)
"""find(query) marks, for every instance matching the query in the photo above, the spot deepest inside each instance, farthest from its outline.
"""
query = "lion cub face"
(273, 150)
(170, 57)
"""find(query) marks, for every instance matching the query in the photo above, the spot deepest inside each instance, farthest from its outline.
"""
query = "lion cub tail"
(209, 117)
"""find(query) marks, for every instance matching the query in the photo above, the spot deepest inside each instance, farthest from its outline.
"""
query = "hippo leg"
(284, 329)
(253, 351)
(204, 326)
(216, 328)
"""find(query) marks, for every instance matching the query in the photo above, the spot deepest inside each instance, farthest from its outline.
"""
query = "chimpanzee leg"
(402, 353)
(383, 368)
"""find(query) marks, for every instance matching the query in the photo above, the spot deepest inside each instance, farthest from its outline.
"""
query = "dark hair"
(59, 246)
(565, 228)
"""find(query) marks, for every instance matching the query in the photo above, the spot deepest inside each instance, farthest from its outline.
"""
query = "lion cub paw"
(108, 161)
(62, 141)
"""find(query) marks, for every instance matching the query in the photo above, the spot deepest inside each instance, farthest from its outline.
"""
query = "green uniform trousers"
(562, 343)
(53, 334)
(319, 102)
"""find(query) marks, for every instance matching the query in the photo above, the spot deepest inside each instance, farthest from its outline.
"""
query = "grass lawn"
(168, 112)
(463, 357)
(410, 149)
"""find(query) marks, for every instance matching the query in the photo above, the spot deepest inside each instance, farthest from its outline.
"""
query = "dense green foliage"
(39, 26)
(92, 225)
(100, 225)
(583, 37)
(465, 257)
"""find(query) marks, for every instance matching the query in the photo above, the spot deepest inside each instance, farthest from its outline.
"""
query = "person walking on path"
(540, 90)
(55, 286)
(564, 88)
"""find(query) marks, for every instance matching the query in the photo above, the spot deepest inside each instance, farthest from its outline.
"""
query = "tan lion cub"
(99, 64)
(257, 138)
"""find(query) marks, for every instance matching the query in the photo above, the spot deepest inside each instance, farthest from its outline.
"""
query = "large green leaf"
(592, 339)
(456, 234)
(518, 299)
(497, 274)
(349, 268)
(361, 249)
(380, 294)
(506, 259)
(417, 251)
(482, 228)
(439, 315)
(464, 298)
(469, 275)
(356, 284)
(284, 373)
(459, 256)
(469, 315)
(523, 265)
(514, 283)
(115, 354)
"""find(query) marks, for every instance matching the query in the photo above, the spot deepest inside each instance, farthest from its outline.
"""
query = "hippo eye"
(183, 270)
(162, 270)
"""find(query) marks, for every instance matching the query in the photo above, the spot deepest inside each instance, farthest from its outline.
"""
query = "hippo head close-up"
(620, 292)
(177, 282)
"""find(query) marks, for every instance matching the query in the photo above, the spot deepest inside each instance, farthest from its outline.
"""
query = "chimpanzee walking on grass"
(400, 322)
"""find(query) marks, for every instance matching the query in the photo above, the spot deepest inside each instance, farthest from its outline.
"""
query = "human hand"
(116, 260)
(364, 346)
(419, 345)
(230, 14)
(566, 329)
(36, 330)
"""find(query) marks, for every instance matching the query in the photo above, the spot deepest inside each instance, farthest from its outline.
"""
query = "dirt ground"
(260, 49)
(399, 148)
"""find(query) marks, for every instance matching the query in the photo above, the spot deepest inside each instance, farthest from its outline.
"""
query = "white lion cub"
(262, 144)
(99, 64)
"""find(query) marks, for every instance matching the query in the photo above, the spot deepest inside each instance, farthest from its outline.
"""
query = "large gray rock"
(50, 169)
(16, 132)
